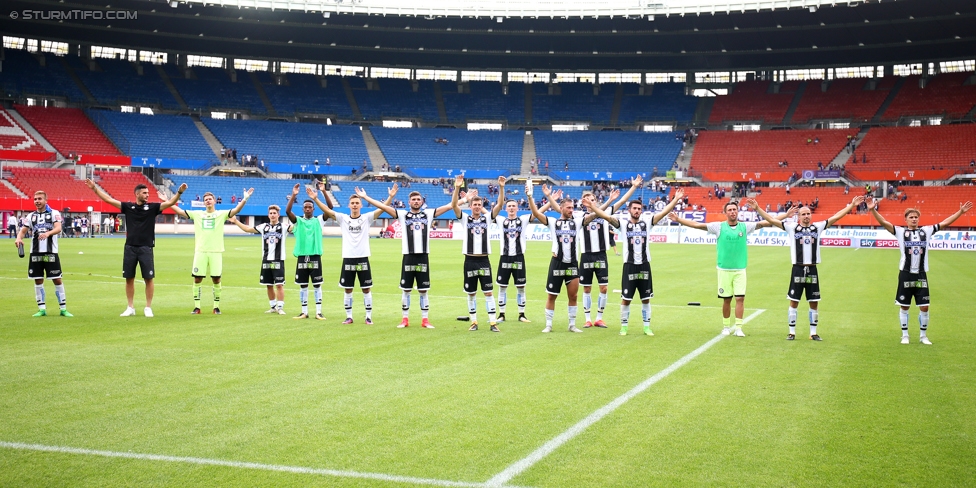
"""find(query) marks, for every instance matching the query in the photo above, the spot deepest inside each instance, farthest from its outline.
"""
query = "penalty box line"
(239, 465)
(518, 467)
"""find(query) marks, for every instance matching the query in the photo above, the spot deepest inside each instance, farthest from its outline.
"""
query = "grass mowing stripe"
(534, 457)
(237, 464)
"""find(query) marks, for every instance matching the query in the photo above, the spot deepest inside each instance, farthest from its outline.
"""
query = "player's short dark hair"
(211, 195)
(415, 193)
(307, 201)
(140, 186)
(730, 202)
(635, 202)
(511, 200)
(477, 199)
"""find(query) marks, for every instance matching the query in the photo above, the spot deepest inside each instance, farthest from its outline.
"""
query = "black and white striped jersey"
(565, 233)
(273, 237)
(805, 241)
(595, 236)
(914, 246)
(39, 222)
(634, 237)
(415, 228)
(474, 240)
(514, 234)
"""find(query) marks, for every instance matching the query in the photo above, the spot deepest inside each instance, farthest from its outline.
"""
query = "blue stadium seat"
(667, 102)
(213, 90)
(608, 151)
(304, 94)
(485, 102)
(415, 149)
(118, 83)
(293, 143)
(23, 75)
(576, 102)
(396, 98)
(168, 136)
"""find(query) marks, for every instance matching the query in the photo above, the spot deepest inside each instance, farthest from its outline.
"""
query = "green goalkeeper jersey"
(208, 229)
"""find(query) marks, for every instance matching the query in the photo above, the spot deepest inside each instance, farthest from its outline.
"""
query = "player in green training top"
(733, 256)
(208, 249)
(308, 247)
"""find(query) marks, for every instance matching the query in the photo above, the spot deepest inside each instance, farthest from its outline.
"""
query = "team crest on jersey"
(721, 290)
(145, 207)
(567, 240)
(806, 240)
(594, 226)
(638, 241)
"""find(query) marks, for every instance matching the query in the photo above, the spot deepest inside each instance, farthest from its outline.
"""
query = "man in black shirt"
(140, 238)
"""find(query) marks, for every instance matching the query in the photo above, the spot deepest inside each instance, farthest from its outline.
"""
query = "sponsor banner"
(170, 163)
(104, 159)
(746, 175)
(818, 175)
(898, 175)
(450, 173)
(889, 243)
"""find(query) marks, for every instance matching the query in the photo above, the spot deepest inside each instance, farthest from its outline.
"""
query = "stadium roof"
(859, 34)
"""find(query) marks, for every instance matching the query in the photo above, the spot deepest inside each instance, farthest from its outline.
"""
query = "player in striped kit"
(804, 236)
(44, 225)
(913, 282)
(476, 247)
(636, 276)
(564, 265)
(512, 242)
(354, 227)
(594, 242)
(273, 236)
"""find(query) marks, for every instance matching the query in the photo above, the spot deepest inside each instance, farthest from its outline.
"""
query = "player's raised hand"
(546, 190)
(361, 193)
(857, 200)
(294, 191)
(90, 184)
(232, 220)
(585, 203)
(181, 189)
(614, 194)
(312, 191)
(679, 194)
(501, 181)
(790, 212)
(673, 215)
(752, 203)
(555, 197)
(872, 203)
(458, 181)
(636, 181)
(248, 193)
(392, 191)
(966, 207)
(472, 193)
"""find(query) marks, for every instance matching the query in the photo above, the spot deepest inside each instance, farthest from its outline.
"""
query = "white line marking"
(534, 457)
(238, 464)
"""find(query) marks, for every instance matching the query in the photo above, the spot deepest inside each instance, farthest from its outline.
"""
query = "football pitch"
(254, 399)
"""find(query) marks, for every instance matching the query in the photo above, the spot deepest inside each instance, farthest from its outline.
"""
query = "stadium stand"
(485, 101)
(666, 102)
(304, 94)
(293, 143)
(607, 151)
(763, 150)
(844, 99)
(13, 137)
(752, 101)
(415, 150)
(396, 98)
(118, 83)
(7, 192)
(167, 136)
(945, 95)
(58, 183)
(935, 202)
(574, 103)
(24, 75)
(121, 185)
(927, 147)
(213, 90)
(68, 129)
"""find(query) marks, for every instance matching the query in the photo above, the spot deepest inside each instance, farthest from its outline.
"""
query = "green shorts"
(208, 264)
(731, 282)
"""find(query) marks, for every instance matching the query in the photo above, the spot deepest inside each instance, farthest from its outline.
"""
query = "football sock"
(903, 318)
(923, 322)
(549, 315)
(646, 313)
(792, 316)
(39, 295)
(520, 298)
(738, 323)
(280, 305)
(405, 304)
(572, 316)
(490, 305)
(587, 303)
(368, 303)
(601, 304)
(472, 308)
(59, 292)
(814, 320)
(502, 298)
(273, 303)
(318, 298)
(216, 292)
(424, 305)
(303, 295)
(197, 290)
(624, 314)
(347, 304)
(726, 321)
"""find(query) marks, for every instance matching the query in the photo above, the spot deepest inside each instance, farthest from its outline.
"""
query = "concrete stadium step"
(74, 76)
(795, 103)
(528, 153)
(376, 158)
(900, 82)
(212, 141)
(439, 97)
(618, 98)
(352, 100)
(13, 188)
(264, 96)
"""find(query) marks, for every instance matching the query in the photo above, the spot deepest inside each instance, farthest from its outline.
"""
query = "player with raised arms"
(636, 276)
(273, 237)
(354, 227)
(913, 282)
(308, 249)
(476, 247)
(512, 243)
(208, 252)
(564, 265)
(594, 241)
(44, 225)
(804, 236)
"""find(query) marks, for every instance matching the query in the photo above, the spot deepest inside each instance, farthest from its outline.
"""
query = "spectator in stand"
(220, 200)
(847, 189)
(233, 199)
(328, 161)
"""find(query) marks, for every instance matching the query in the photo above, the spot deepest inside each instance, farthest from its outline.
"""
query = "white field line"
(534, 457)
(238, 464)
(331, 290)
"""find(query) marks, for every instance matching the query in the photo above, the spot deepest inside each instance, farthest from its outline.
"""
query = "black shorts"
(415, 269)
(141, 255)
(511, 267)
(477, 269)
(272, 273)
(44, 264)
(804, 279)
(912, 285)
(353, 268)
(559, 273)
(308, 268)
(594, 263)
(636, 278)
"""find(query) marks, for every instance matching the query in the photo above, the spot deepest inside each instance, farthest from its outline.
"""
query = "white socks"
(923, 322)
(318, 298)
(303, 295)
(601, 304)
(472, 308)
(405, 303)
(520, 299)
(624, 315)
(40, 295)
(549, 315)
(59, 292)
(814, 319)
(587, 304)
(792, 316)
(646, 313)
(572, 316)
(347, 304)
(502, 298)
(424, 305)
(490, 305)
(903, 318)
(368, 303)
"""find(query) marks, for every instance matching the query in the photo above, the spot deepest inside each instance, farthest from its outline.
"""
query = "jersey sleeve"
(750, 227)
(934, 228)
(899, 230)
(193, 214)
(820, 225)
(646, 218)
(429, 212)
(525, 219)
(56, 216)
(713, 228)
(155, 208)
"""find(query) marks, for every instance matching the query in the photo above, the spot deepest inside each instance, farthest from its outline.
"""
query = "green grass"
(857, 409)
